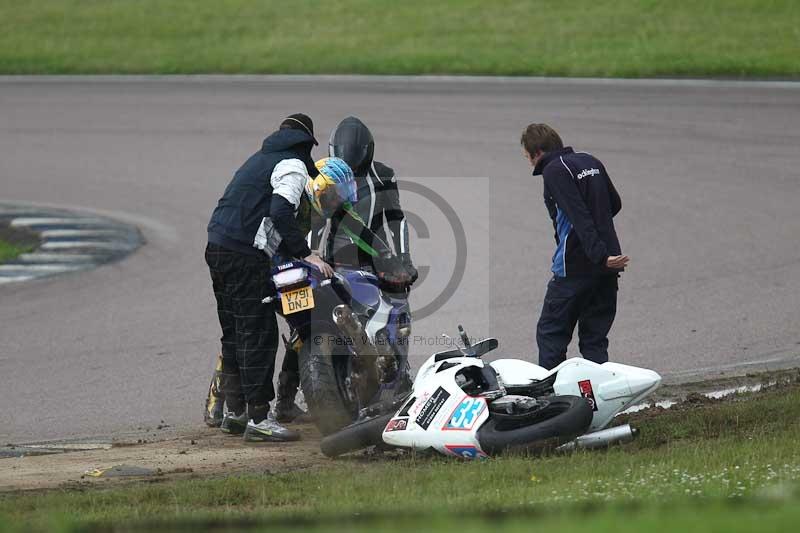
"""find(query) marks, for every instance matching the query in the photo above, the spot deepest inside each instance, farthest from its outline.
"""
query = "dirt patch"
(697, 389)
(204, 453)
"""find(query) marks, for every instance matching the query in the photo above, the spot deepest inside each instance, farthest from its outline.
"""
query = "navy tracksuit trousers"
(588, 301)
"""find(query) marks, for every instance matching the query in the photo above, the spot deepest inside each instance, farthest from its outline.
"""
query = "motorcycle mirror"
(485, 346)
(468, 351)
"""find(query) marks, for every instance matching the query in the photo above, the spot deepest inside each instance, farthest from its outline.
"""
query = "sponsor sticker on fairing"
(397, 424)
(465, 451)
(432, 407)
(587, 392)
(417, 404)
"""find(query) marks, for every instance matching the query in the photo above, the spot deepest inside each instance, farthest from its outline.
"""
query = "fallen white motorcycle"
(462, 406)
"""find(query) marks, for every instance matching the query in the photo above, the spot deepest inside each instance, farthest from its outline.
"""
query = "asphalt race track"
(709, 174)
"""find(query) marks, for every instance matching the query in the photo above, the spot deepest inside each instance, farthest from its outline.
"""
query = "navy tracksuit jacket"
(582, 203)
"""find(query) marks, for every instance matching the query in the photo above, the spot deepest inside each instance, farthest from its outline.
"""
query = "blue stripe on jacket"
(563, 227)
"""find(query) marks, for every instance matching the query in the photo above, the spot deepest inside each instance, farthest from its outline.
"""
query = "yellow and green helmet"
(334, 186)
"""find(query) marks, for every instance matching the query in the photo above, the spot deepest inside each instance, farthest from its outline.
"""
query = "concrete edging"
(69, 241)
(432, 79)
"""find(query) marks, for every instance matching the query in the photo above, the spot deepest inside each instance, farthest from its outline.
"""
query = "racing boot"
(233, 423)
(269, 430)
(286, 410)
(215, 400)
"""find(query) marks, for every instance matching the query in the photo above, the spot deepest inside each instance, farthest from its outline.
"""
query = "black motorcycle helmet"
(352, 141)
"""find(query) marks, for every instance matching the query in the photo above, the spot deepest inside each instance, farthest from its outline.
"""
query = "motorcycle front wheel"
(323, 386)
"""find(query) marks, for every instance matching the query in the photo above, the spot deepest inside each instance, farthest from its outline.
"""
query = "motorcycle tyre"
(321, 389)
(358, 436)
(571, 417)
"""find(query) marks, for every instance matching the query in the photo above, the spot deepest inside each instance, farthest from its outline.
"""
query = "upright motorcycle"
(351, 336)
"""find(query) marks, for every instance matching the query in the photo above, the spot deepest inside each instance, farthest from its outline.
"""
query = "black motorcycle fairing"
(479, 381)
(352, 141)
(536, 388)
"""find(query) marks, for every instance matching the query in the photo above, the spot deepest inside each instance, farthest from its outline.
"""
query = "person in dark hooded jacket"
(378, 216)
(254, 220)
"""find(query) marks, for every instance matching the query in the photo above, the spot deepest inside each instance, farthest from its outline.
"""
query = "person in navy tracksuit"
(582, 203)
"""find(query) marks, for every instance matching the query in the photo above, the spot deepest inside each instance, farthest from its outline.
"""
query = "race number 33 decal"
(466, 414)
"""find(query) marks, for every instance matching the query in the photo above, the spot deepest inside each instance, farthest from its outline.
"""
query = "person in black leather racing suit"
(356, 239)
(378, 197)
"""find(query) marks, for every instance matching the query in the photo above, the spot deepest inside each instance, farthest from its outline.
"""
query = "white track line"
(53, 233)
(51, 268)
(66, 245)
(36, 257)
(53, 221)
(13, 279)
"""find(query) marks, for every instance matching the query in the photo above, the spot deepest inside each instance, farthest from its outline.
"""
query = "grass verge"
(711, 465)
(627, 38)
(9, 251)
(15, 242)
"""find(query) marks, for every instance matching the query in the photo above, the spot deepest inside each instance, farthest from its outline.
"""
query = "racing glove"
(409, 266)
(391, 272)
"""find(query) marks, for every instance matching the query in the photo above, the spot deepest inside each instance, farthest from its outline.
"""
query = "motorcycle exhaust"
(377, 356)
(365, 371)
(348, 323)
(601, 439)
(386, 362)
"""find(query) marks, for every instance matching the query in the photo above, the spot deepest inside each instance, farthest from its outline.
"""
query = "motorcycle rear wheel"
(563, 419)
(322, 387)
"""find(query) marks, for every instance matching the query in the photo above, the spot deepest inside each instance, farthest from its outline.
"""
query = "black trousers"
(591, 303)
(249, 328)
